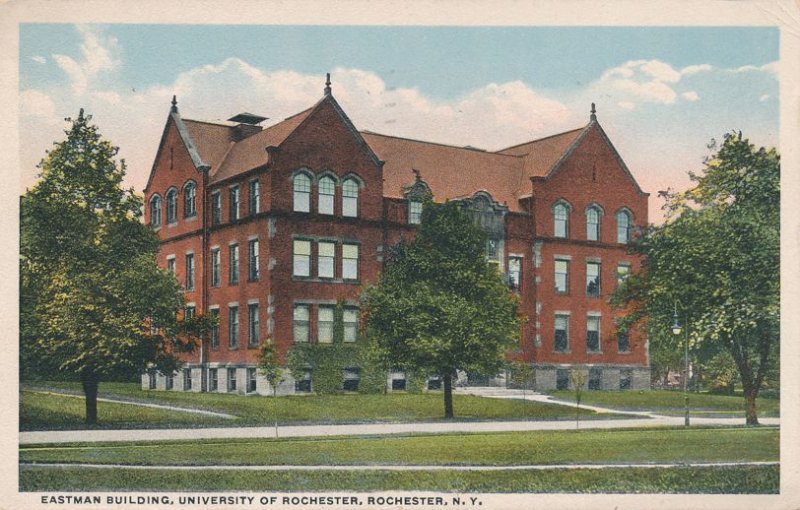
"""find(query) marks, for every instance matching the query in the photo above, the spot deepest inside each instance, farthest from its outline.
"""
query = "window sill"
(595, 353)
(253, 346)
(190, 218)
(172, 225)
(562, 352)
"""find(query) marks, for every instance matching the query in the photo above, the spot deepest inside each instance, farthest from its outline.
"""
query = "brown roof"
(211, 140)
(451, 172)
(540, 155)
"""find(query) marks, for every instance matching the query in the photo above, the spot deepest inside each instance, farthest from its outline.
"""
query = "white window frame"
(301, 192)
(301, 258)
(350, 263)
(326, 319)
(350, 192)
(326, 195)
(326, 259)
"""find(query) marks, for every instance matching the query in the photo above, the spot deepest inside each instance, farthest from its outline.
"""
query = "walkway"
(89, 436)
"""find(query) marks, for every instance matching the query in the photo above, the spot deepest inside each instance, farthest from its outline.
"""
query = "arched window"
(189, 203)
(301, 184)
(350, 198)
(623, 226)
(326, 191)
(414, 212)
(155, 211)
(172, 205)
(560, 220)
(593, 223)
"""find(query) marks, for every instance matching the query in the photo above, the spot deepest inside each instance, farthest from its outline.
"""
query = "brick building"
(271, 227)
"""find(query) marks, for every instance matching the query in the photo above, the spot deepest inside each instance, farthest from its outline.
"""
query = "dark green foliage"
(90, 285)
(718, 257)
(439, 306)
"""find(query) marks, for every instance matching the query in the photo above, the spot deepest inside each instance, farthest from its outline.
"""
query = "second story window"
(515, 271)
(560, 220)
(254, 198)
(623, 345)
(171, 264)
(233, 270)
(252, 260)
(350, 320)
(623, 270)
(414, 212)
(561, 333)
(253, 325)
(623, 227)
(301, 187)
(233, 326)
(216, 208)
(190, 271)
(215, 328)
(593, 224)
(593, 334)
(172, 205)
(593, 279)
(562, 276)
(325, 325)
(234, 203)
(350, 261)
(325, 258)
(300, 323)
(215, 267)
(326, 192)
(301, 253)
(350, 198)
(189, 200)
(155, 211)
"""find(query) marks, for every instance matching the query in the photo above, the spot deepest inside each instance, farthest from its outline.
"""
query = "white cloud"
(97, 53)
(764, 97)
(694, 69)
(39, 59)
(690, 96)
(626, 105)
(34, 103)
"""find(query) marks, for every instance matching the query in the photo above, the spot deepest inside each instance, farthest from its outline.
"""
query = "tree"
(94, 302)
(717, 259)
(439, 306)
(271, 369)
(521, 375)
(578, 379)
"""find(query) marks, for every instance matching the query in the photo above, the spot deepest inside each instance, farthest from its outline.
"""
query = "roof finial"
(328, 84)
(417, 175)
(593, 117)
(174, 104)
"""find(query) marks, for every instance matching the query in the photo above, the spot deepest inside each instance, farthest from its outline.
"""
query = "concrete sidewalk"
(90, 436)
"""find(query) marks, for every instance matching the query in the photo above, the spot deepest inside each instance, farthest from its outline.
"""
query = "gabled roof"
(541, 155)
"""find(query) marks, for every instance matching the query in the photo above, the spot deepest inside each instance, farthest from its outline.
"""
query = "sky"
(662, 93)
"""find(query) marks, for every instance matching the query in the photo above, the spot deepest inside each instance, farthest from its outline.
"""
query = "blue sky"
(661, 93)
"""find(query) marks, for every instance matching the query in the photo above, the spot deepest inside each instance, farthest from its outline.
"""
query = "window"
(623, 345)
(561, 342)
(562, 379)
(350, 261)
(595, 378)
(301, 184)
(350, 198)
(301, 265)
(189, 200)
(623, 227)
(190, 271)
(215, 328)
(187, 379)
(151, 380)
(327, 190)
(251, 380)
(593, 279)
(350, 319)
(325, 257)
(623, 270)
(325, 325)
(300, 323)
(414, 212)
(562, 276)
(170, 383)
(233, 326)
(216, 208)
(515, 272)
(351, 377)
(625, 378)
(252, 325)
(231, 379)
(593, 334)
(213, 379)
(233, 270)
(155, 211)
(561, 220)
(233, 205)
(215, 267)
(171, 265)
(172, 205)
(303, 385)
(593, 224)
(188, 312)
(252, 260)
(254, 198)
(491, 249)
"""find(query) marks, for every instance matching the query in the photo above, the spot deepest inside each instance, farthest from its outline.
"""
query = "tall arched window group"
(302, 188)
(171, 199)
(593, 218)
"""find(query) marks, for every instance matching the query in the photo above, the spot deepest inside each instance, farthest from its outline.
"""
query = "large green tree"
(439, 306)
(91, 292)
(716, 258)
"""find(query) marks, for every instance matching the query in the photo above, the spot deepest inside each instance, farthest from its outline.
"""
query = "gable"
(175, 135)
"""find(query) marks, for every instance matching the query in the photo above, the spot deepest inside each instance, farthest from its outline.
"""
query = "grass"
(687, 480)
(672, 402)
(258, 410)
(45, 411)
(513, 448)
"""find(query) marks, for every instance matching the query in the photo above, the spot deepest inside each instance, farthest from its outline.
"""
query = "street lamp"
(676, 330)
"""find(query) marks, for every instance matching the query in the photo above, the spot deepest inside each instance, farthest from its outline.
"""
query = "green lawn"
(672, 402)
(36, 414)
(512, 448)
(717, 480)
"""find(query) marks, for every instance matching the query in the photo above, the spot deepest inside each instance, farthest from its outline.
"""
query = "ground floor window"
(398, 384)
(303, 385)
(151, 380)
(214, 380)
(435, 383)
(625, 379)
(251, 380)
(562, 379)
(231, 379)
(170, 381)
(351, 377)
(187, 379)
(595, 378)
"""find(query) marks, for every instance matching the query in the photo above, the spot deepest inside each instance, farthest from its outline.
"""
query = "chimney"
(248, 125)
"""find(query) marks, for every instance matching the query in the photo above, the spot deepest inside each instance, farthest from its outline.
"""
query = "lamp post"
(676, 330)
